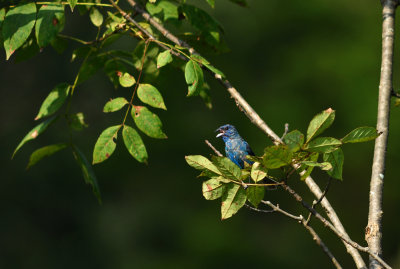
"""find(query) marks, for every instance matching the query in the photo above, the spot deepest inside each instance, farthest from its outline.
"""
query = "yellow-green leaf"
(147, 122)
(213, 189)
(54, 100)
(320, 123)
(50, 21)
(202, 163)
(46, 151)
(227, 168)
(148, 94)
(336, 158)
(255, 194)
(164, 58)
(258, 172)
(134, 144)
(194, 77)
(105, 144)
(96, 17)
(233, 199)
(323, 144)
(361, 134)
(115, 104)
(126, 80)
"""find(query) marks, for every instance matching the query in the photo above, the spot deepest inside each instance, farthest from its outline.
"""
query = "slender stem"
(373, 232)
(77, 4)
(256, 119)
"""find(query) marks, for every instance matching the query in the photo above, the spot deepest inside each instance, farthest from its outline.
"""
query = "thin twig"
(256, 119)
(214, 149)
(286, 130)
(373, 231)
(301, 220)
(315, 203)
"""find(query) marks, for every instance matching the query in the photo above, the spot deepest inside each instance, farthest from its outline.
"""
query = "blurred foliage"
(288, 65)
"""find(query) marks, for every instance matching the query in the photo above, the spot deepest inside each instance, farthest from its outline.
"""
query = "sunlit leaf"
(202, 163)
(35, 132)
(227, 168)
(324, 166)
(134, 144)
(148, 94)
(258, 172)
(194, 77)
(164, 58)
(147, 122)
(308, 169)
(126, 80)
(87, 171)
(115, 104)
(50, 21)
(211, 3)
(169, 9)
(294, 140)
(96, 17)
(255, 194)
(17, 26)
(46, 151)
(336, 158)
(105, 144)
(361, 134)
(277, 156)
(77, 121)
(323, 144)
(320, 123)
(54, 100)
(72, 4)
(233, 198)
(213, 189)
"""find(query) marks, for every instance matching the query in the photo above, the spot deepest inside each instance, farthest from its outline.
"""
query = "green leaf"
(35, 132)
(115, 104)
(126, 80)
(59, 44)
(153, 9)
(320, 123)
(213, 189)
(211, 3)
(96, 17)
(2, 15)
(50, 21)
(27, 50)
(39, 154)
(164, 58)
(313, 158)
(258, 172)
(323, 144)
(134, 144)
(17, 26)
(294, 140)
(105, 144)
(255, 194)
(227, 168)
(77, 121)
(194, 77)
(148, 94)
(215, 70)
(202, 163)
(72, 4)
(147, 122)
(324, 166)
(336, 158)
(87, 171)
(90, 67)
(233, 199)
(361, 134)
(114, 69)
(54, 100)
(277, 156)
(205, 94)
(169, 9)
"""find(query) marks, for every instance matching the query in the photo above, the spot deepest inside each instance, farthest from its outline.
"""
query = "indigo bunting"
(236, 148)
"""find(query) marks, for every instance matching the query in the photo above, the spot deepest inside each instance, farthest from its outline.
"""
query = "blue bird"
(236, 148)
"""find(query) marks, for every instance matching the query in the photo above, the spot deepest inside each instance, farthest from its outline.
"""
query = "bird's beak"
(221, 132)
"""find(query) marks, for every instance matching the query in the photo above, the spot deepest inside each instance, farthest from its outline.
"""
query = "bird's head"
(227, 131)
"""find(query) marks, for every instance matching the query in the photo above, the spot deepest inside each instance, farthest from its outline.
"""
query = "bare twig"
(256, 119)
(214, 149)
(316, 202)
(301, 220)
(373, 233)
(286, 130)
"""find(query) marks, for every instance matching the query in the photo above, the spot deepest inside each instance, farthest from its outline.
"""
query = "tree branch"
(256, 119)
(373, 233)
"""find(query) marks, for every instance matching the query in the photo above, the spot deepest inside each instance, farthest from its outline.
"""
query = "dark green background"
(289, 59)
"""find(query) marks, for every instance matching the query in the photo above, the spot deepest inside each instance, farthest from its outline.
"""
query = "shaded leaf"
(205, 94)
(194, 77)
(258, 172)
(313, 158)
(147, 122)
(164, 58)
(213, 189)
(35, 132)
(202, 163)
(277, 156)
(90, 67)
(87, 171)
(59, 44)
(96, 17)
(72, 4)
(114, 69)
(27, 50)
(360, 134)
(227, 168)
(115, 104)
(134, 144)
(2, 15)
(54, 100)
(50, 21)
(320, 123)
(233, 199)
(336, 158)
(324, 166)
(126, 80)
(17, 26)
(105, 144)
(255, 194)
(294, 140)
(77, 121)
(148, 94)
(152, 8)
(215, 70)
(169, 9)
(39, 154)
(242, 3)
(211, 3)
(323, 144)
